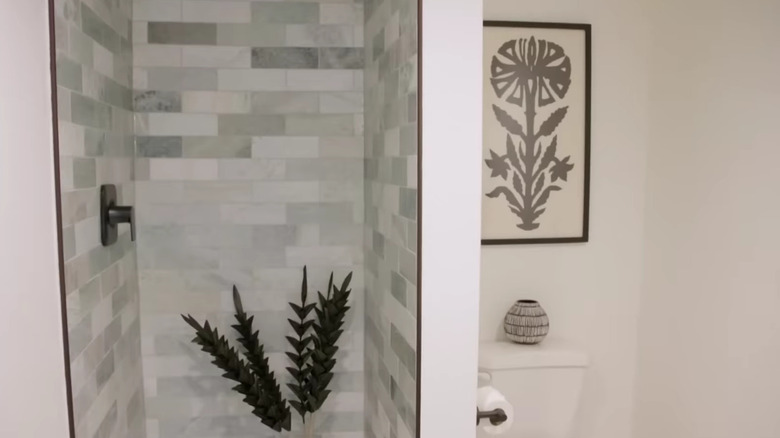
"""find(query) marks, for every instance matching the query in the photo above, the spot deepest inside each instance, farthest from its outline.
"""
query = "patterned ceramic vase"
(526, 322)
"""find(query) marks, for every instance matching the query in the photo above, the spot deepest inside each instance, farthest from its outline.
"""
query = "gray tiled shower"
(236, 128)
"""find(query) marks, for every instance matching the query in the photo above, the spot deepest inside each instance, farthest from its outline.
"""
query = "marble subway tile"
(98, 30)
(161, 32)
(217, 192)
(251, 125)
(285, 12)
(89, 112)
(254, 169)
(84, 174)
(341, 13)
(316, 35)
(179, 214)
(252, 80)
(341, 147)
(68, 243)
(181, 79)
(251, 35)
(285, 57)
(217, 147)
(157, 10)
(319, 213)
(320, 80)
(151, 101)
(320, 124)
(406, 354)
(284, 102)
(103, 61)
(219, 102)
(157, 55)
(68, 73)
(253, 214)
(164, 169)
(159, 147)
(285, 147)
(325, 169)
(217, 57)
(200, 11)
(347, 102)
(182, 124)
(140, 33)
(320, 256)
(286, 191)
(341, 58)
(398, 288)
(407, 203)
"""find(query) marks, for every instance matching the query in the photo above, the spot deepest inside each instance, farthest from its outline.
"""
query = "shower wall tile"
(95, 99)
(325, 35)
(251, 35)
(160, 32)
(210, 11)
(252, 80)
(285, 12)
(213, 56)
(284, 57)
(286, 102)
(249, 160)
(180, 79)
(390, 239)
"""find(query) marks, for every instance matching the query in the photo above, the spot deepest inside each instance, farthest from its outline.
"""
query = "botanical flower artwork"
(535, 170)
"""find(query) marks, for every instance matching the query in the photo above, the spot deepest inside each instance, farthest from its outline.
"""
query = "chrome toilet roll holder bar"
(496, 416)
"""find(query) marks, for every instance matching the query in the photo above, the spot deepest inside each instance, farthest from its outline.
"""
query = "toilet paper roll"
(489, 398)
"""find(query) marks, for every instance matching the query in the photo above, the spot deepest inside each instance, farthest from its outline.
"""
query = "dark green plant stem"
(228, 360)
(327, 331)
(301, 354)
(275, 406)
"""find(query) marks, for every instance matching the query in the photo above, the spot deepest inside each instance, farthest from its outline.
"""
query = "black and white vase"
(526, 322)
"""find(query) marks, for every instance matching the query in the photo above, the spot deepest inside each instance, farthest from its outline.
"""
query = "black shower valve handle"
(118, 214)
(111, 215)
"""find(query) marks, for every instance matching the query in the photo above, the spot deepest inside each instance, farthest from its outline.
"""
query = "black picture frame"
(587, 30)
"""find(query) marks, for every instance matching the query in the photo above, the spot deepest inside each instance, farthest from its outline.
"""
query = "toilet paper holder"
(496, 416)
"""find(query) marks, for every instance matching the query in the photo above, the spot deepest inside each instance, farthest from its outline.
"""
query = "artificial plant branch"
(275, 405)
(228, 360)
(327, 331)
(300, 356)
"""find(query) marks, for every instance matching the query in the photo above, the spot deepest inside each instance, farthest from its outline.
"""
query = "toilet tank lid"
(551, 353)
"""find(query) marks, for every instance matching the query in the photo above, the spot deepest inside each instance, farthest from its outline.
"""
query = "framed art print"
(536, 133)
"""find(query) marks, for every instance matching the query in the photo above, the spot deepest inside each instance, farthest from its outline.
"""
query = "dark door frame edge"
(58, 213)
(418, 414)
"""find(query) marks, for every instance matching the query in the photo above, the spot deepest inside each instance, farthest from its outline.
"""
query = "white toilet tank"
(542, 382)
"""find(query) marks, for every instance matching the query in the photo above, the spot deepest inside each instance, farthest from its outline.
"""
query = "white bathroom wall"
(33, 402)
(591, 291)
(449, 215)
(709, 355)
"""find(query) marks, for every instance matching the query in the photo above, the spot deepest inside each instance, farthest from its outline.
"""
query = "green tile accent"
(284, 57)
(84, 174)
(251, 35)
(89, 112)
(407, 203)
(183, 33)
(68, 73)
(250, 124)
(398, 288)
(404, 351)
(98, 30)
(157, 147)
